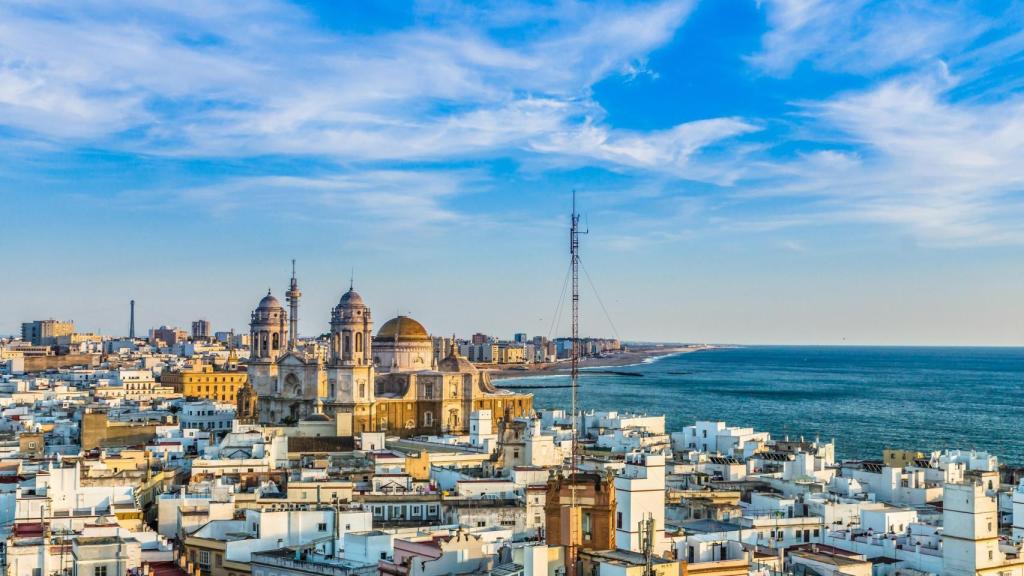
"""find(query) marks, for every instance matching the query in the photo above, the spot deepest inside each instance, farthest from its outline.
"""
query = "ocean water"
(867, 398)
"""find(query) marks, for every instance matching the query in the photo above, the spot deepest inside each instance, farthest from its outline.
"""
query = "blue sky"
(791, 171)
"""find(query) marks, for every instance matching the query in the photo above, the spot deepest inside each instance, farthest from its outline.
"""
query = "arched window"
(276, 341)
(348, 344)
(359, 341)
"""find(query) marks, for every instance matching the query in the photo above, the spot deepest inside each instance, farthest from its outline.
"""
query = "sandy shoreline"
(629, 358)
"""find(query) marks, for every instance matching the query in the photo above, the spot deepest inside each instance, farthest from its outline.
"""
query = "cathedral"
(393, 382)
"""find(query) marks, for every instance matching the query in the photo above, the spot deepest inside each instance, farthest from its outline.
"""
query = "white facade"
(970, 538)
(481, 430)
(888, 520)
(206, 415)
(639, 496)
(717, 438)
(270, 531)
(60, 490)
(1018, 513)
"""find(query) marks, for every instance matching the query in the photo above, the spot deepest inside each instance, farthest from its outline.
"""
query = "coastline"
(633, 357)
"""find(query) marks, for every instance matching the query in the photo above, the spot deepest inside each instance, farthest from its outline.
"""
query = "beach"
(634, 355)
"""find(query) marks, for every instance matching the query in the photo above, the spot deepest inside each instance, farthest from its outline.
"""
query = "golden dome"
(402, 329)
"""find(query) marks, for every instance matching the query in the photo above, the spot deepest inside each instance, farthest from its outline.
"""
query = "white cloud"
(948, 171)
(185, 81)
(860, 36)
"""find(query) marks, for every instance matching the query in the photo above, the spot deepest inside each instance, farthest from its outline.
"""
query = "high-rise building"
(480, 338)
(201, 330)
(167, 335)
(520, 338)
(45, 332)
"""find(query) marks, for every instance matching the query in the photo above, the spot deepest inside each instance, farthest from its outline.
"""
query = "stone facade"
(413, 394)
(99, 432)
(594, 517)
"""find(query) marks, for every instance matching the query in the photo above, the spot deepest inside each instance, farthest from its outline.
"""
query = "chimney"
(131, 325)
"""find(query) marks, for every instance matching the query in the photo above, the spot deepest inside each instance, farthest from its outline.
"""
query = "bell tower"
(268, 332)
(350, 364)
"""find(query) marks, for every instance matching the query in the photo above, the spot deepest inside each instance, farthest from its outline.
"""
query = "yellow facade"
(511, 355)
(900, 458)
(203, 382)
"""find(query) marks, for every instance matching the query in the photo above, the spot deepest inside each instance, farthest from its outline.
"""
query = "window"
(204, 558)
(618, 519)
(99, 571)
(322, 527)
(428, 390)
(586, 526)
(218, 560)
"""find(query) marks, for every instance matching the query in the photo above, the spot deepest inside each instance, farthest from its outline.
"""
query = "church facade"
(391, 382)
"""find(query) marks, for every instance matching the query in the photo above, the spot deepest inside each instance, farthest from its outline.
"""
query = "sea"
(866, 398)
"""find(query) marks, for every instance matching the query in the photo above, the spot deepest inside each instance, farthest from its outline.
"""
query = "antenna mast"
(574, 516)
(574, 254)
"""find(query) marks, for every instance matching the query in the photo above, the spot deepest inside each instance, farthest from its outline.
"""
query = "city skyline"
(751, 172)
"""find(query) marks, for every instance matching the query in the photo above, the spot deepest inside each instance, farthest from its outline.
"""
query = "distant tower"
(349, 364)
(131, 324)
(292, 296)
(268, 330)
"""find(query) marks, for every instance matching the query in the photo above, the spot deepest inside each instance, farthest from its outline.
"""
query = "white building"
(207, 415)
(717, 438)
(640, 496)
(262, 531)
(481, 430)
(970, 532)
(1018, 512)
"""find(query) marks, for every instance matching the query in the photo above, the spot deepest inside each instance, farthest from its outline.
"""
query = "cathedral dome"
(268, 302)
(402, 329)
(351, 298)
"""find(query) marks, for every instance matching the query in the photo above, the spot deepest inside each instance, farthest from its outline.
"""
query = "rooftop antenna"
(352, 279)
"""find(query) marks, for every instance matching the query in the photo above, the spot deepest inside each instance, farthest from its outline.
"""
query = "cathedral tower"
(349, 364)
(268, 329)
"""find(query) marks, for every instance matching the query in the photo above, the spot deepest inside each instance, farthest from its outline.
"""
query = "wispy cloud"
(860, 36)
(265, 81)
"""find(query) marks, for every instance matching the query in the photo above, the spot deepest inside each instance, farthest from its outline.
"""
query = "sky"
(770, 171)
